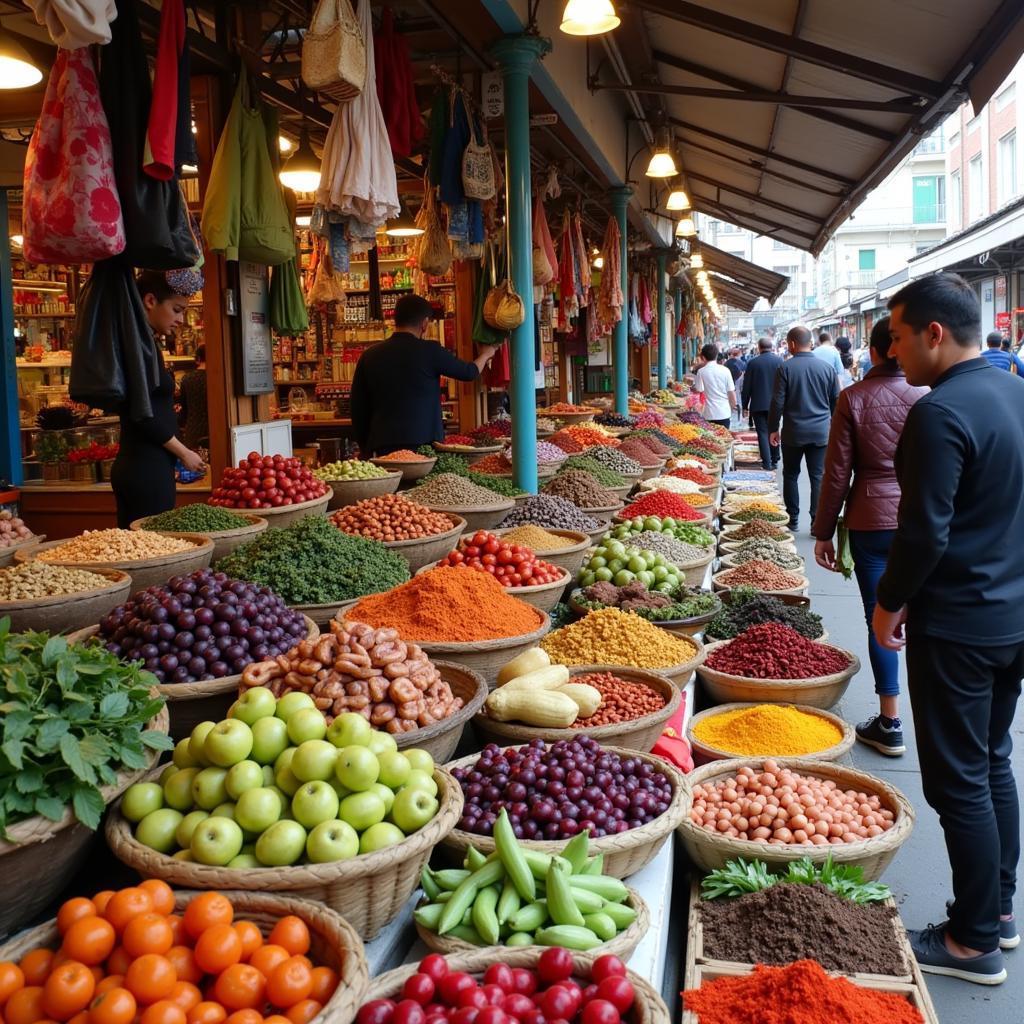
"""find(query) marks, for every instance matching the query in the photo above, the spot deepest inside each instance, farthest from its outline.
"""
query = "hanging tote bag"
(545, 261)
(72, 213)
(334, 52)
(504, 308)
(435, 255)
(477, 165)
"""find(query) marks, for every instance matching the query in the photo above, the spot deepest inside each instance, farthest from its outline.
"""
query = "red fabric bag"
(72, 211)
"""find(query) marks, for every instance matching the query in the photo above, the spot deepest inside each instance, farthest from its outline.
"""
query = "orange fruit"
(292, 933)
(36, 966)
(125, 905)
(89, 940)
(147, 933)
(68, 990)
(150, 978)
(72, 910)
(113, 1006)
(218, 948)
(206, 910)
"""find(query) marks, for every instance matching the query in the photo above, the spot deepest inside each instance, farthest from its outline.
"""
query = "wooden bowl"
(421, 551)
(569, 418)
(65, 612)
(7, 553)
(348, 492)
(285, 515)
(409, 470)
(224, 541)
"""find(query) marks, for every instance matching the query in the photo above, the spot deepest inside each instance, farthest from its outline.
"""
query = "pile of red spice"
(800, 993)
(661, 504)
(773, 651)
(566, 443)
(634, 448)
(652, 444)
(492, 432)
(694, 476)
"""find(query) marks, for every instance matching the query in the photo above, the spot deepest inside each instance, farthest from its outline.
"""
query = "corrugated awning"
(786, 114)
(739, 282)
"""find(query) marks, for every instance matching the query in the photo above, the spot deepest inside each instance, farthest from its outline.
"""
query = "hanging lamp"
(589, 17)
(17, 71)
(686, 228)
(663, 164)
(677, 200)
(403, 226)
(301, 171)
(697, 261)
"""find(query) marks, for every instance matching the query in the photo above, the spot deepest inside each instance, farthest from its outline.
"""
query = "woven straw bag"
(435, 255)
(504, 309)
(478, 168)
(334, 52)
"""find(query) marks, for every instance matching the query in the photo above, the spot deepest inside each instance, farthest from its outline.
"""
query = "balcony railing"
(931, 146)
(932, 213)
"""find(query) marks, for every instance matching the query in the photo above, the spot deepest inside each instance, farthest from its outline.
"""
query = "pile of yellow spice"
(767, 730)
(612, 637)
(537, 539)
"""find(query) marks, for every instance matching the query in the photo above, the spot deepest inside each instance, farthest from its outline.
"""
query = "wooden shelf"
(44, 316)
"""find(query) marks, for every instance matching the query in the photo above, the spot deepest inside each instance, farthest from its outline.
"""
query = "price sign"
(492, 94)
(257, 361)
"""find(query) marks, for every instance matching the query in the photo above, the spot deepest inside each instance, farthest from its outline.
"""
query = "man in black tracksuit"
(758, 385)
(955, 584)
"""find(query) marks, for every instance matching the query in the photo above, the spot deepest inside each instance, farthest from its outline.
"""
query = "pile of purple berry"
(553, 791)
(202, 626)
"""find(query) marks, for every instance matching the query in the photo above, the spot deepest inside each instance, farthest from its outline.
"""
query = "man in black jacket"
(806, 392)
(952, 592)
(758, 385)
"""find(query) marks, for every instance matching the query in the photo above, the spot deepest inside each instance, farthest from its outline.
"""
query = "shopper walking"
(859, 472)
(758, 386)
(997, 352)
(952, 593)
(828, 353)
(715, 383)
(396, 389)
(806, 390)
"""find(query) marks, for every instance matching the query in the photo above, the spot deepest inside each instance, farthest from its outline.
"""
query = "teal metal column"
(662, 324)
(620, 339)
(10, 422)
(516, 56)
(678, 366)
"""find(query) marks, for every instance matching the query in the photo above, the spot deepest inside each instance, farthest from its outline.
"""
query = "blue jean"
(870, 549)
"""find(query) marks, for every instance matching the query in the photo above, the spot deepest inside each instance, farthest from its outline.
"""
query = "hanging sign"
(1002, 321)
(257, 363)
(543, 120)
(492, 94)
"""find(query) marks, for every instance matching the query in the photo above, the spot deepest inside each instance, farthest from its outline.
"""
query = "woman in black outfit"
(142, 476)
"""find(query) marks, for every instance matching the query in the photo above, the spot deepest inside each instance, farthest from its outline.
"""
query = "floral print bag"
(72, 212)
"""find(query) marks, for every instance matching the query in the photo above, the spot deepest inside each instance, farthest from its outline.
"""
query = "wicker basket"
(409, 470)
(471, 455)
(224, 541)
(704, 521)
(651, 471)
(369, 889)
(694, 572)
(31, 875)
(441, 739)
(543, 596)
(623, 945)
(710, 850)
(624, 854)
(728, 561)
(421, 551)
(285, 515)
(639, 734)
(570, 557)
(596, 535)
(727, 547)
(333, 943)
(704, 752)
(728, 533)
(61, 612)
(569, 418)
(7, 553)
(801, 590)
(348, 492)
(322, 614)
(477, 517)
(603, 513)
(145, 572)
(728, 519)
(689, 628)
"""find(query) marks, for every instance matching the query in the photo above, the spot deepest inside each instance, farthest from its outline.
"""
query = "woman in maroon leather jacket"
(866, 427)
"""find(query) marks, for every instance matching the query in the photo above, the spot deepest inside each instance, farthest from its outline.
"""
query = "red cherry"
(525, 981)
(618, 991)
(377, 1011)
(607, 966)
(419, 987)
(598, 1011)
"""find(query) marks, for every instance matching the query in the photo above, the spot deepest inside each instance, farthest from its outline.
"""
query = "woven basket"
(727, 547)
(348, 492)
(639, 734)
(61, 612)
(421, 551)
(369, 889)
(694, 572)
(543, 596)
(728, 519)
(689, 628)
(471, 455)
(704, 521)
(145, 572)
(603, 513)
(801, 590)
(704, 752)
(728, 533)
(322, 614)
(651, 471)
(224, 541)
(710, 850)
(409, 470)
(728, 561)
(596, 535)
(570, 418)
(285, 515)
(624, 854)
(623, 945)
(819, 692)
(31, 875)
(333, 943)
(477, 517)
(570, 557)
(7, 553)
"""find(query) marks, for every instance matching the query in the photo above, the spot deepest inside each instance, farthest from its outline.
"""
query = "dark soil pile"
(803, 922)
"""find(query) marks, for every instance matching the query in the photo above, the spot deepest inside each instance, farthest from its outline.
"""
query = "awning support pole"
(10, 420)
(678, 365)
(620, 340)
(662, 323)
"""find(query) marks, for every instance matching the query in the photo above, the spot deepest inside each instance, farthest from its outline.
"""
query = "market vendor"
(396, 390)
(142, 477)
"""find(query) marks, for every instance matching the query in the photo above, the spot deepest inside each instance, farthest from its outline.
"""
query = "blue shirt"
(829, 354)
(1003, 360)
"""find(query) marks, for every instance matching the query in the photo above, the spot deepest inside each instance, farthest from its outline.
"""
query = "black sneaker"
(1008, 937)
(886, 740)
(930, 951)
(792, 524)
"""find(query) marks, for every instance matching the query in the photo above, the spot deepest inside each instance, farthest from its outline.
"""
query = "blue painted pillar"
(662, 323)
(620, 338)
(10, 424)
(678, 365)
(516, 56)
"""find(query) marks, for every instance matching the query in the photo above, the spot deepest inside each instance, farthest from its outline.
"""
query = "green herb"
(739, 877)
(196, 518)
(51, 446)
(449, 462)
(72, 718)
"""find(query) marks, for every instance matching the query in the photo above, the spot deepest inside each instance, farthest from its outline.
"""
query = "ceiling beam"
(779, 42)
(722, 186)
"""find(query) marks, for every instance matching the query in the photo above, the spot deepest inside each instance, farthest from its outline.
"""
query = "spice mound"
(33, 580)
(663, 504)
(772, 651)
(197, 518)
(766, 551)
(800, 993)
(449, 606)
(613, 637)
(371, 672)
(350, 469)
(687, 603)
(390, 517)
(551, 512)
(581, 489)
(761, 574)
(635, 449)
(604, 476)
(538, 539)
(115, 546)
(772, 730)
(670, 483)
(615, 459)
(748, 607)
(449, 490)
(404, 455)
(756, 528)
(790, 922)
(621, 700)
(677, 552)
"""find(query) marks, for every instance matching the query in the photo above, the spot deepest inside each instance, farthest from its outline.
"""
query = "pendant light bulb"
(403, 226)
(17, 71)
(599, 262)
(686, 228)
(697, 261)
(663, 164)
(677, 200)
(589, 17)
(301, 171)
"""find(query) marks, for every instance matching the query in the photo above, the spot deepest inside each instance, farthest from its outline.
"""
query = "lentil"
(698, 500)
(767, 551)
(621, 700)
(694, 475)
(605, 477)
(115, 546)
(554, 513)
(775, 730)
(404, 455)
(615, 459)
(537, 539)
(453, 491)
(757, 528)
(749, 607)
(196, 518)
(661, 504)
(390, 517)
(762, 575)
(566, 443)
(350, 469)
(546, 452)
(774, 651)
(675, 551)
(581, 489)
(658, 441)
(32, 580)
(613, 637)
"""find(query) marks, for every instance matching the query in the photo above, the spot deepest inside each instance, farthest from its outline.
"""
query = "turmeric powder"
(612, 637)
(768, 730)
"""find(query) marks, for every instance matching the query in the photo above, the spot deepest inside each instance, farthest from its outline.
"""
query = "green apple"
(314, 802)
(306, 724)
(342, 791)
(386, 794)
(381, 741)
(356, 768)
(331, 841)
(185, 855)
(413, 808)
(169, 769)
(376, 837)
(209, 788)
(157, 829)
(281, 844)
(227, 743)
(268, 774)
(292, 702)
(256, 703)
(178, 790)
(314, 760)
(269, 739)
(394, 768)
(244, 862)
(188, 825)
(284, 777)
(421, 780)
(224, 810)
(420, 760)
(182, 757)
(349, 730)
(141, 799)
(258, 809)
(242, 776)
(361, 810)
(196, 742)
(216, 841)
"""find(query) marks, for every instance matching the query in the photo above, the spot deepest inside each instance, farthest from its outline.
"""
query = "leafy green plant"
(740, 877)
(72, 718)
(737, 878)
(51, 446)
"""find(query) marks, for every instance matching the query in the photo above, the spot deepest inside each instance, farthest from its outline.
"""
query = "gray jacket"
(806, 392)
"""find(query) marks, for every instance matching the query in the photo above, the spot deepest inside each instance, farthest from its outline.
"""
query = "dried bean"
(774, 651)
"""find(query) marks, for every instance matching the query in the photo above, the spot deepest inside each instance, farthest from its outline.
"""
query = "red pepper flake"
(774, 651)
(662, 504)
